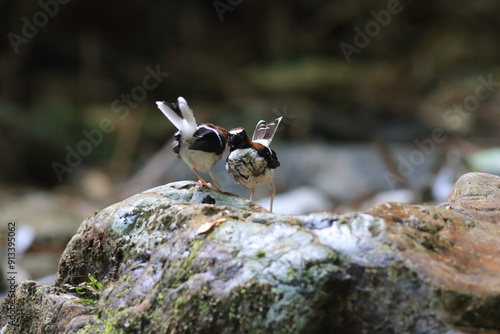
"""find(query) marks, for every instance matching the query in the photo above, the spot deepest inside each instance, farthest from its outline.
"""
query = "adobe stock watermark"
(30, 28)
(11, 272)
(222, 7)
(454, 117)
(372, 29)
(94, 137)
(287, 117)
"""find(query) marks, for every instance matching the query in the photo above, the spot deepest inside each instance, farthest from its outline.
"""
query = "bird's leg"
(251, 193)
(273, 192)
(202, 181)
(215, 185)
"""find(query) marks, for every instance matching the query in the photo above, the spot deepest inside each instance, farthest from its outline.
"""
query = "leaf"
(86, 302)
(81, 290)
(95, 284)
(94, 288)
(205, 227)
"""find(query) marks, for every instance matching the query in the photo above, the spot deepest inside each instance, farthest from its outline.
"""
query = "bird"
(199, 145)
(252, 162)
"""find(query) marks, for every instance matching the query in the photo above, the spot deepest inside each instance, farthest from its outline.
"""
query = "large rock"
(393, 269)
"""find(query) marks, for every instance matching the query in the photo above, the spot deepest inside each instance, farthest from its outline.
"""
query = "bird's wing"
(209, 139)
(264, 132)
(268, 154)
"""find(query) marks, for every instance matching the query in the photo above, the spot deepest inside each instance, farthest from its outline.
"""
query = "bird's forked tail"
(264, 131)
(179, 114)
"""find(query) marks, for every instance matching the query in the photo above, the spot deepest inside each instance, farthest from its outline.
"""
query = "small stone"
(477, 195)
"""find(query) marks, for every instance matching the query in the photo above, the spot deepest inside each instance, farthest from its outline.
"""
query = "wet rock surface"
(394, 268)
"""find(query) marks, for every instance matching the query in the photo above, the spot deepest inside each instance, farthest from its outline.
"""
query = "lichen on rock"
(393, 268)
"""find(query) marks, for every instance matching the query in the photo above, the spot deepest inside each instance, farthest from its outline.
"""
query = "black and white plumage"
(252, 162)
(200, 145)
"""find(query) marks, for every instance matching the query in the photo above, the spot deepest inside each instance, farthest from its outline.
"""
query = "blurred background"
(382, 100)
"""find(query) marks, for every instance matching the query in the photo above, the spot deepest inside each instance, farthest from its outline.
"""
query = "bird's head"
(238, 138)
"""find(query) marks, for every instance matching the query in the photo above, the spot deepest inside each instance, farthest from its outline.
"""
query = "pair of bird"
(201, 145)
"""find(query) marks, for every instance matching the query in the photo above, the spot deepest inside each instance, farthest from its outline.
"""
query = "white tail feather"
(264, 132)
(187, 114)
(176, 120)
(187, 123)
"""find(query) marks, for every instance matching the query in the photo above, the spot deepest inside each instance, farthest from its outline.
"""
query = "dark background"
(82, 71)
(261, 56)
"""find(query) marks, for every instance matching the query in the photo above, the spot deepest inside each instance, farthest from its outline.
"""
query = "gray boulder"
(184, 259)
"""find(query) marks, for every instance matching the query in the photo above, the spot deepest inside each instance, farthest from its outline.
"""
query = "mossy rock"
(394, 268)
